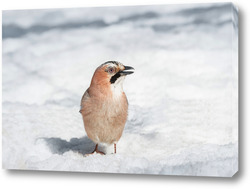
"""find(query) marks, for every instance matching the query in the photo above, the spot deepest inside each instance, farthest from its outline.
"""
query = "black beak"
(127, 70)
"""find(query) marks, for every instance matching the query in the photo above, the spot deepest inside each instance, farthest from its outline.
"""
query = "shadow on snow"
(59, 146)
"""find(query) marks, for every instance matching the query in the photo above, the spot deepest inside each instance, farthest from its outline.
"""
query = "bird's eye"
(111, 70)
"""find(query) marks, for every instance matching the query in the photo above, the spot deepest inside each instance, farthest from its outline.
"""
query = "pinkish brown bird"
(104, 105)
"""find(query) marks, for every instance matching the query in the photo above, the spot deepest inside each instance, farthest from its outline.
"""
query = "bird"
(104, 105)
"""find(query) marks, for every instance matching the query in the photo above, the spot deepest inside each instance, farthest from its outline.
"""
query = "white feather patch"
(117, 87)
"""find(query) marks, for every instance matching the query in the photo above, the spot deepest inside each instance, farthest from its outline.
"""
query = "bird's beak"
(127, 70)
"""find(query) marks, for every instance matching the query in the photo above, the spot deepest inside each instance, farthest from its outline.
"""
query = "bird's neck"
(102, 86)
(100, 82)
(107, 90)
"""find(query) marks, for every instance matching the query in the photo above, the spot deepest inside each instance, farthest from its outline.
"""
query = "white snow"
(183, 96)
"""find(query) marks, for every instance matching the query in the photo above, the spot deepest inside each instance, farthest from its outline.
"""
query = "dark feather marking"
(115, 77)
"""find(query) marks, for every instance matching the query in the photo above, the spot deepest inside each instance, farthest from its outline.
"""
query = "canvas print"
(126, 89)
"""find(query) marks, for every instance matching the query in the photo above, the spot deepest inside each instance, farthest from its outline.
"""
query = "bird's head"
(111, 73)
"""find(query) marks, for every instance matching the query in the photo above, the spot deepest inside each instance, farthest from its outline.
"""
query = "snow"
(183, 96)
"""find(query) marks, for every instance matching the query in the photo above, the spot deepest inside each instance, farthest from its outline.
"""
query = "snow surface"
(183, 96)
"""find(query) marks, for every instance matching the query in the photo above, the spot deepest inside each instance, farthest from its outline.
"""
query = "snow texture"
(183, 96)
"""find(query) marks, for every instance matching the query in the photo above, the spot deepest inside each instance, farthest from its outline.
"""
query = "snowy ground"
(183, 113)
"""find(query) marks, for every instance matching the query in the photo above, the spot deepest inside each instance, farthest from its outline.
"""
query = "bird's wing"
(84, 98)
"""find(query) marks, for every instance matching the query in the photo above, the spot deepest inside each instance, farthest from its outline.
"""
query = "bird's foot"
(95, 151)
(99, 152)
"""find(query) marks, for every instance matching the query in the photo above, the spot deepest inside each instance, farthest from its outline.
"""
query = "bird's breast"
(105, 108)
(105, 117)
(114, 106)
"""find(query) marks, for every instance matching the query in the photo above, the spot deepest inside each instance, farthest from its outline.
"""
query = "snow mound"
(183, 99)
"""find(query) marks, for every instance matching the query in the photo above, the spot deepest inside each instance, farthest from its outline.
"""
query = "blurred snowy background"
(183, 96)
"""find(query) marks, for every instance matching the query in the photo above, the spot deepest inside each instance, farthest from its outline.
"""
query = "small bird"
(104, 105)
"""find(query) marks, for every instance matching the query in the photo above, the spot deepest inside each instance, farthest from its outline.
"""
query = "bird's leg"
(97, 151)
(115, 147)
(96, 146)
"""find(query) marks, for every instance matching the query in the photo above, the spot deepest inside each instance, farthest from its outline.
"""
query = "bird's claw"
(95, 151)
